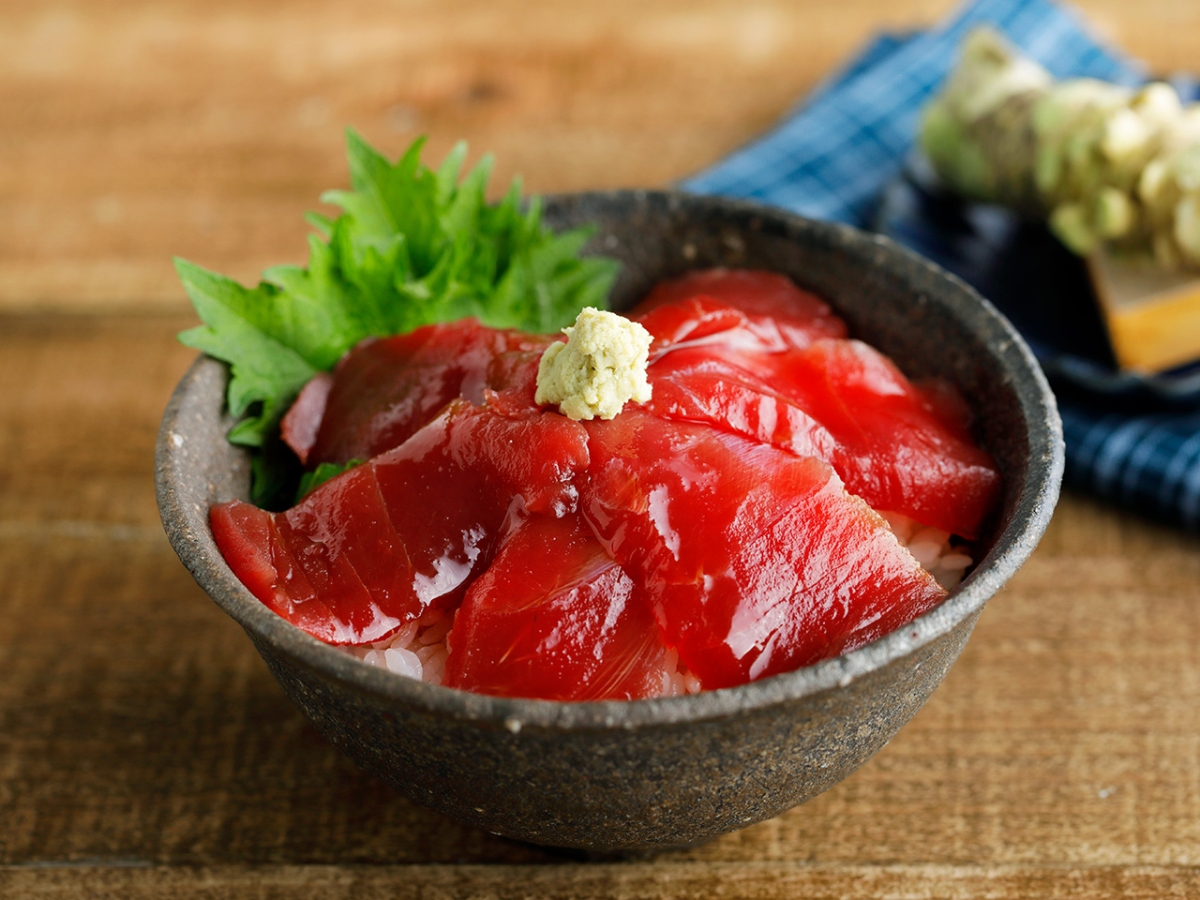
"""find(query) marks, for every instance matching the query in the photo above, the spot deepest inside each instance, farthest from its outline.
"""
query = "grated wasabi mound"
(600, 368)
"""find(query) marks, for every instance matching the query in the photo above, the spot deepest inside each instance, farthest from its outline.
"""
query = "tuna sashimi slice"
(724, 336)
(373, 548)
(249, 540)
(756, 561)
(695, 385)
(903, 450)
(350, 553)
(302, 421)
(895, 445)
(767, 302)
(384, 390)
(555, 618)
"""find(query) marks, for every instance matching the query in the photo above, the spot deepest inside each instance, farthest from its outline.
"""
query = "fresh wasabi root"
(1105, 165)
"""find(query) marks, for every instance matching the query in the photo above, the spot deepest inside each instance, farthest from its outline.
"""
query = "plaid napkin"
(834, 155)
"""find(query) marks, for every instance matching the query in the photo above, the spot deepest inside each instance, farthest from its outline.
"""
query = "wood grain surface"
(144, 749)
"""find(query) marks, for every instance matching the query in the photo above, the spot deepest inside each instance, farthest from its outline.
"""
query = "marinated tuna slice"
(896, 446)
(721, 336)
(384, 390)
(351, 555)
(768, 301)
(700, 321)
(697, 385)
(303, 420)
(903, 450)
(335, 610)
(373, 548)
(756, 561)
(243, 533)
(555, 618)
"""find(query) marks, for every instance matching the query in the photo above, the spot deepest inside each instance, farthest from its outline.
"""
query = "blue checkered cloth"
(834, 155)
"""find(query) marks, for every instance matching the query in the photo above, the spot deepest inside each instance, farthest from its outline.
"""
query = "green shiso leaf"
(310, 481)
(412, 246)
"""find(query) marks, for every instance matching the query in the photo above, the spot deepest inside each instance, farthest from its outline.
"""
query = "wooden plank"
(730, 881)
(216, 160)
(136, 131)
(144, 750)
(138, 726)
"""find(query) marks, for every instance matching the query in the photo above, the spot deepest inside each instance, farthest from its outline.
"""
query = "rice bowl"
(680, 769)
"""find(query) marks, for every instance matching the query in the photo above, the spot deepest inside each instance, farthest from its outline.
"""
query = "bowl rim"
(186, 525)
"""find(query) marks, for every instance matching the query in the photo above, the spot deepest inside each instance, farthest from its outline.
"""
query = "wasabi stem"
(1103, 164)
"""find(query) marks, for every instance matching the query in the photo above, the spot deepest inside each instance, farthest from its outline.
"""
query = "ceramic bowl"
(640, 775)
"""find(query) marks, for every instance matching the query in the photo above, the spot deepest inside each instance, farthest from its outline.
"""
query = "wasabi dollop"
(600, 368)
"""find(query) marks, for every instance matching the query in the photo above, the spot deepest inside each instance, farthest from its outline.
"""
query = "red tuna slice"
(894, 445)
(702, 385)
(904, 450)
(699, 321)
(757, 561)
(249, 539)
(303, 420)
(373, 548)
(384, 390)
(243, 533)
(555, 618)
(769, 300)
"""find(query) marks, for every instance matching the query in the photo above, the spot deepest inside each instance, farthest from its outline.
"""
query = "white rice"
(932, 548)
(419, 649)
(676, 679)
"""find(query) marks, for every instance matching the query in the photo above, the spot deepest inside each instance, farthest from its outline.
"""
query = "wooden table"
(144, 749)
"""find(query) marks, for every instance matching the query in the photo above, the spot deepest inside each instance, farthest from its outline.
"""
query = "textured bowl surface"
(616, 776)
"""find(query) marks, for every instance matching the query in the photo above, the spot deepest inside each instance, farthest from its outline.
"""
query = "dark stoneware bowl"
(619, 776)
